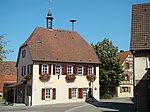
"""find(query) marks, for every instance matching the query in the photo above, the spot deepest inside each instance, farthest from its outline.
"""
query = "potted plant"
(27, 77)
(70, 77)
(91, 77)
(44, 77)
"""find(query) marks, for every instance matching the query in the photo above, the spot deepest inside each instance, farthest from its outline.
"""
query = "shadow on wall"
(142, 99)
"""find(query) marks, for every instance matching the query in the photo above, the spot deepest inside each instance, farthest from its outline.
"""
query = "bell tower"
(49, 18)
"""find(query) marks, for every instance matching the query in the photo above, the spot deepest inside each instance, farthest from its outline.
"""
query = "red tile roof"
(123, 56)
(8, 68)
(60, 46)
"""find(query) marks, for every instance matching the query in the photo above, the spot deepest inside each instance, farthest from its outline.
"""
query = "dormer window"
(24, 53)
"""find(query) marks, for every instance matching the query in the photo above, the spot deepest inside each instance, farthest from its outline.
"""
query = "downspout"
(134, 81)
(31, 102)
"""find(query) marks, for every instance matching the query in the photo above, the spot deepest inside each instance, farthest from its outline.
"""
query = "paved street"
(117, 105)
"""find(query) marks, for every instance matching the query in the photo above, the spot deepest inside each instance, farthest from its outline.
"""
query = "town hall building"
(56, 66)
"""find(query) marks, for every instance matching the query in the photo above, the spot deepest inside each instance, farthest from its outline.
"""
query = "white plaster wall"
(140, 66)
(61, 87)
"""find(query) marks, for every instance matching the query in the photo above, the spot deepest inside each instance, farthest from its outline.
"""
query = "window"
(90, 70)
(74, 93)
(48, 93)
(44, 69)
(58, 70)
(125, 89)
(126, 77)
(29, 69)
(69, 69)
(23, 53)
(85, 92)
(148, 62)
(80, 70)
(23, 71)
(127, 66)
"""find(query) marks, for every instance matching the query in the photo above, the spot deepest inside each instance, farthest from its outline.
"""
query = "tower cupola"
(49, 20)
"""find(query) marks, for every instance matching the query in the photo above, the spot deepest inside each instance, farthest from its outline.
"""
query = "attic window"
(39, 41)
(24, 53)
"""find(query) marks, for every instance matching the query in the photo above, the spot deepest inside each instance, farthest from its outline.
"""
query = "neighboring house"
(53, 66)
(8, 75)
(126, 87)
(140, 48)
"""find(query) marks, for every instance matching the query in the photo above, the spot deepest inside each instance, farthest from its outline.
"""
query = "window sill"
(74, 98)
(48, 99)
(80, 75)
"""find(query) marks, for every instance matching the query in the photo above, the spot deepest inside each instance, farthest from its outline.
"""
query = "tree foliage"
(2, 45)
(110, 67)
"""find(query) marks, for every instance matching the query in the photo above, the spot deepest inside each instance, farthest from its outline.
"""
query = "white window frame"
(48, 93)
(44, 69)
(74, 93)
(90, 70)
(126, 91)
(56, 70)
(148, 62)
(69, 70)
(85, 92)
(80, 70)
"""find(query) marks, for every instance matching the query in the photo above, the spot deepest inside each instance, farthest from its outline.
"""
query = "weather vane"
(49, 1)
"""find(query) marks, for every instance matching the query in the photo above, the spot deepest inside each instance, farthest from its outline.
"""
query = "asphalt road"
(113, 105)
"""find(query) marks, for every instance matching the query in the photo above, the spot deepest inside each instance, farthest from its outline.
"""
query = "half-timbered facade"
(126, 86)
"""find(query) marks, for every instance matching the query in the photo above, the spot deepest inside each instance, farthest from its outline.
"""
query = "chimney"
(73, 21)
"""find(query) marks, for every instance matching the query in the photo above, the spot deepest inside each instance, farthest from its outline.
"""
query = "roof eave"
(73, 62)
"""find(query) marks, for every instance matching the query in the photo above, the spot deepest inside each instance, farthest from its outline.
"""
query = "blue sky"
(96, 19)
